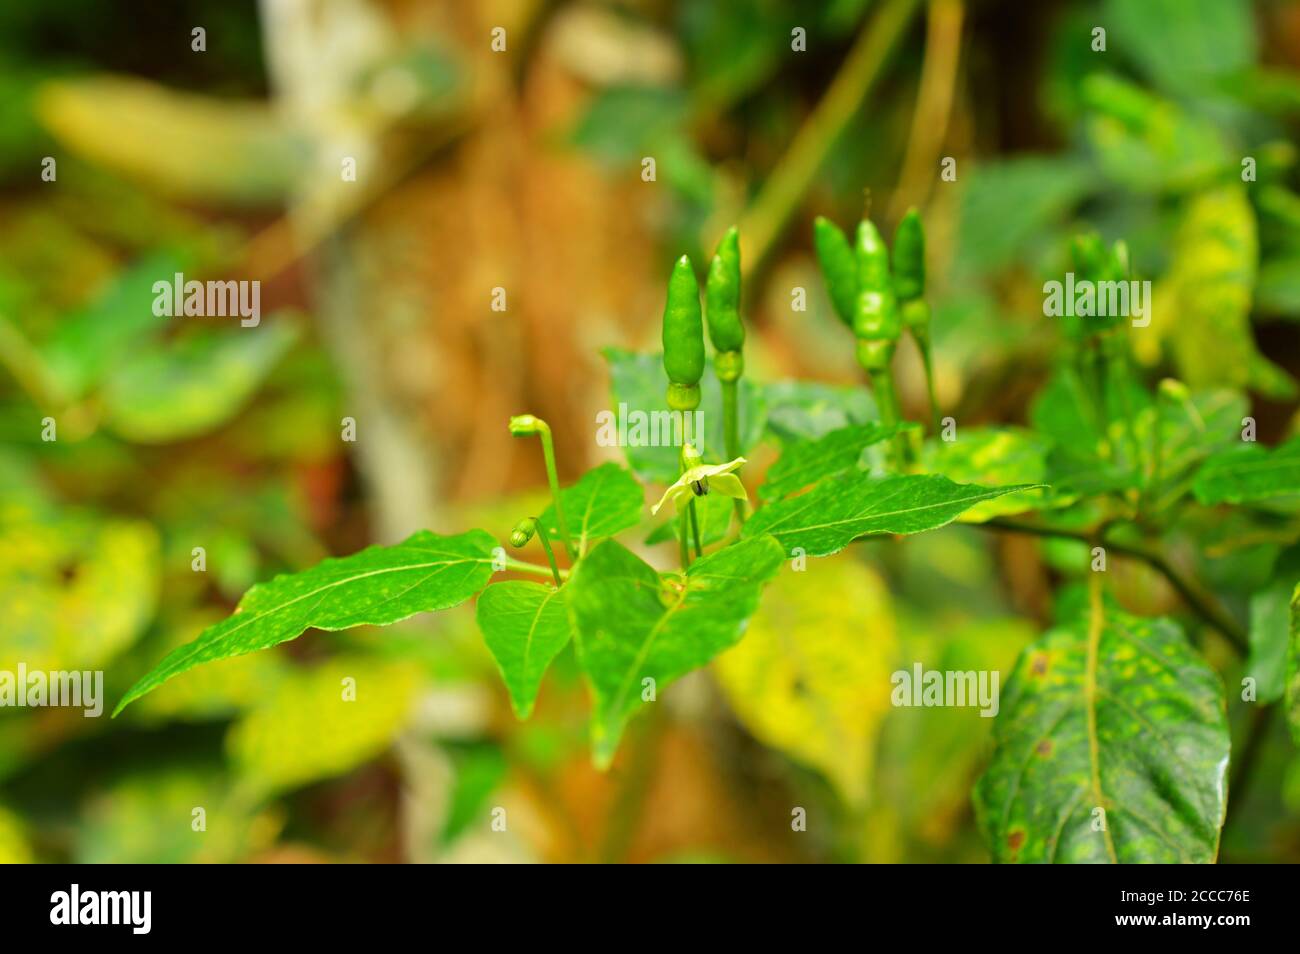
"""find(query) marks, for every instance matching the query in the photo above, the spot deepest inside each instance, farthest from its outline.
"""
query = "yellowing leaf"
(215, 149)
(1206, 318)
(811, 677)
(75, 590)
(317, 724)
(14, 849)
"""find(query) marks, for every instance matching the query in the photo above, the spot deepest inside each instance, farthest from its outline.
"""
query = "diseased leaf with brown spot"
(1115, 713)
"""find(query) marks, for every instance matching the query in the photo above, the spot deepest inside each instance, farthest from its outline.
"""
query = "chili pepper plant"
(1111, 737)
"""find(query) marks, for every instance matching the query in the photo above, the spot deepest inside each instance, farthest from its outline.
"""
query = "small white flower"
(703, 479)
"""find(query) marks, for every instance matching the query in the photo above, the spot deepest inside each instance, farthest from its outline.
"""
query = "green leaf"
(1007, 205)
(639, 385)
(377, 586)
(1192, 430)
(993, 456)
(802, 679)
(1183, 45)
(605, 501)
(1089, 435)
(806, 462)
(1270, 628)
(836, 512)
(181, 389)
(1114, 712)
(1148, 143)
(1278, 289)
(212, 692)
(96, 338)
(712, 512)
(633, 625)
(525, 625)
(622, 121)
(807, 410)
(1248, 473)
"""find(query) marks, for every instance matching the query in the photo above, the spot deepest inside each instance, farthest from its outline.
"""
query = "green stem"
(927, 359)
(553, 478)
(550, 556)
(683, 538)
(522, 566)
(882, 385)
(695, 529)
(1198, 602)
(731, 430)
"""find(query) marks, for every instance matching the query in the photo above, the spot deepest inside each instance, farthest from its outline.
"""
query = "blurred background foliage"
(522, 169)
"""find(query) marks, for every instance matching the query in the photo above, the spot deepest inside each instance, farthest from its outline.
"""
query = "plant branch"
(550, 555)
(1197, 601)
(523, 566)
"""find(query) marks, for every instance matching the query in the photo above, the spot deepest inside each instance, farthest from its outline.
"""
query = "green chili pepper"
(875, 316)
(909, 287)
(838, 267)
(727, 332)
(909, 257)
(722, 295)
(683, 338)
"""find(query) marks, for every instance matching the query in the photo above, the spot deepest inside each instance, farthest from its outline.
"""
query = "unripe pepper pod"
(523, 532)
(722, 295)
(875, 316)
(909, 257)
(838, 267)
(683, 337)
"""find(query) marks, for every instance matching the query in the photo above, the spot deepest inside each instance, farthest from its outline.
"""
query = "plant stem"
(1199, 603)
(522, 566)
(928, 360)
(882, 386)
(548, 453)
(695, 530)
(550, 556)
(683, 538)
(731, 430)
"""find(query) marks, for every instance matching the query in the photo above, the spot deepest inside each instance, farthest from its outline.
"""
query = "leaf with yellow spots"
(1205, 301)
(1111, 745)
(811, 677)
(76, 590)
(322, 722)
